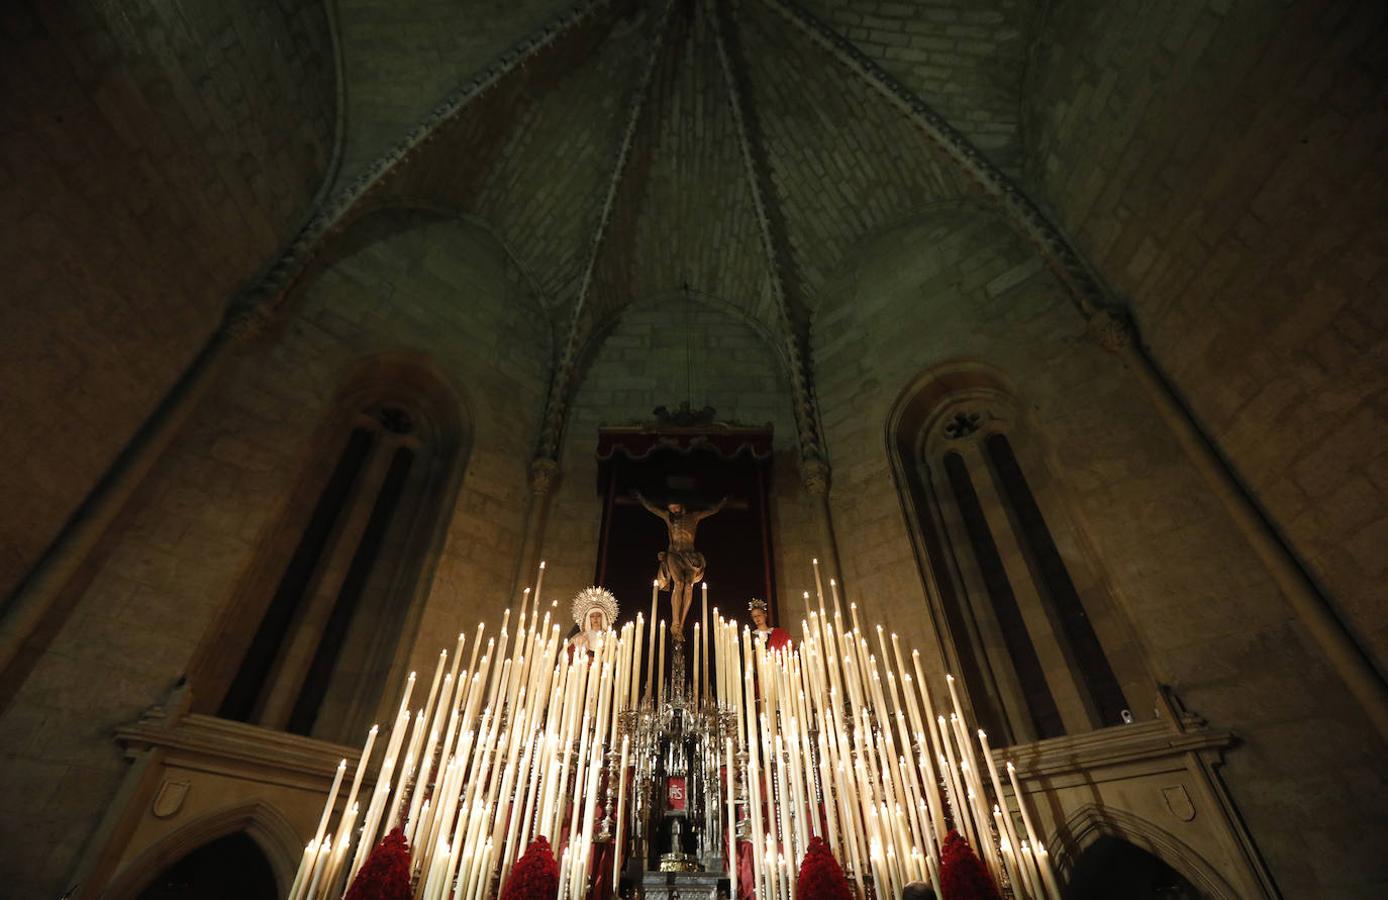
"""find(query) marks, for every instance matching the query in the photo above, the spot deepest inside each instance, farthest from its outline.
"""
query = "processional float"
(710, 784)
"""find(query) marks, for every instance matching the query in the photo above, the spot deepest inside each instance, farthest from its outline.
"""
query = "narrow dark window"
(1040, 704)
(248, 687)
(1095, 672)
(959, 615)
(320, 672)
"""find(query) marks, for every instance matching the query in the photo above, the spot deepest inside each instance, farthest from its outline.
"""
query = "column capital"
(1112, 329)
(248, 317)
(543, 472)
(814, 474)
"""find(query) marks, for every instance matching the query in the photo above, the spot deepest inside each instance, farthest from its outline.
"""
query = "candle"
(320, 863)
(650, 650)
(703, 591)
(636, 660)
(1008, 850)
(1010, 831)
(697, 670)
(1028, 866)
(332, 798)
(405, 695)
(1042, 864)
(361, 765)
(660, 665)
(539, 584)
(305, 870)
(732, 815)
(349, 819)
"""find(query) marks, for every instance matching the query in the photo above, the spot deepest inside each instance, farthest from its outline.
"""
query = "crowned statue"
(681, 566)
(776, 638)
(594, 612)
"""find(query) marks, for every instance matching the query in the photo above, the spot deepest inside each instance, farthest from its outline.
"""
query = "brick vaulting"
(1159, 228)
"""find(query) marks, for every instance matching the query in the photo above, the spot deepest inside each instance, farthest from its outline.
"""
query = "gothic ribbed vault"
(618, 163)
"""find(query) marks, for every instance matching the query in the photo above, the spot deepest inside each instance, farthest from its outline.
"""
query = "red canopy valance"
(639, 443)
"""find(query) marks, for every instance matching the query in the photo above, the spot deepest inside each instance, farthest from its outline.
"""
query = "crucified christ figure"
(681, 566)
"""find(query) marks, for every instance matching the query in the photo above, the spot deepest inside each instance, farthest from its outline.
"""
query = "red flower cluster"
(535, 876)
(820, 876)
(962, 876)
(386, 873)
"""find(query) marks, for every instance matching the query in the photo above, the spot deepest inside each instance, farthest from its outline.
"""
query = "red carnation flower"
(536, 875)
(820, 876)
(962, 875)
(386, 873)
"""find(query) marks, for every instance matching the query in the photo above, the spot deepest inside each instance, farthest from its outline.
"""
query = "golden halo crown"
(756, 603)
(591, 598)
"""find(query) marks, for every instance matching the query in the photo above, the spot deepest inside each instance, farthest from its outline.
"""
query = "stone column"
(38, 594)
(1114, 331)
(814, 475)
(544, 471)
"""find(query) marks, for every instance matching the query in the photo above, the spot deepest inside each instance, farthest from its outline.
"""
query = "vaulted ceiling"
(695, 147)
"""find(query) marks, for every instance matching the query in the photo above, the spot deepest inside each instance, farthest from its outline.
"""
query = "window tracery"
(328, 636)
(990, 547)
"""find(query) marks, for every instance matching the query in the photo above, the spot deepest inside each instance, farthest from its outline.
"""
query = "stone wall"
(641, 365)
(402, 58)
(443, 292)
(1222, 165)
(1208, 620)
(152, 158)
(964, 57)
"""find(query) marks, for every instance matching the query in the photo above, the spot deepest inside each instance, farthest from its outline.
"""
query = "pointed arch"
(262, 822)
(1091, 822)
(1014, 598)
(323, 619)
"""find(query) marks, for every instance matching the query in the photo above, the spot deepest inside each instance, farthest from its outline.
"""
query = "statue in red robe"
(776, 638)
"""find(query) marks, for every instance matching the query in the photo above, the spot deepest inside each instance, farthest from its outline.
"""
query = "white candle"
(697, 671)
(405, 695)
(1007, 830)
(328, 806)
(636, 661)
(650, 650)
(660, 664)
(362, 763)
(1043, 861)
(320, 863)
(704, 615)
(1008, 851)
(539, 585)
(1043, 865)
(1028, 866)
(305, 871)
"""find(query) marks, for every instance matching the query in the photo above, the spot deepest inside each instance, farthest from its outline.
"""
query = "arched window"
(1023, 633)
(337, 595)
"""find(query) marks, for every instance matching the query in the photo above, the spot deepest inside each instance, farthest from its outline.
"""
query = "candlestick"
(617, 840)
